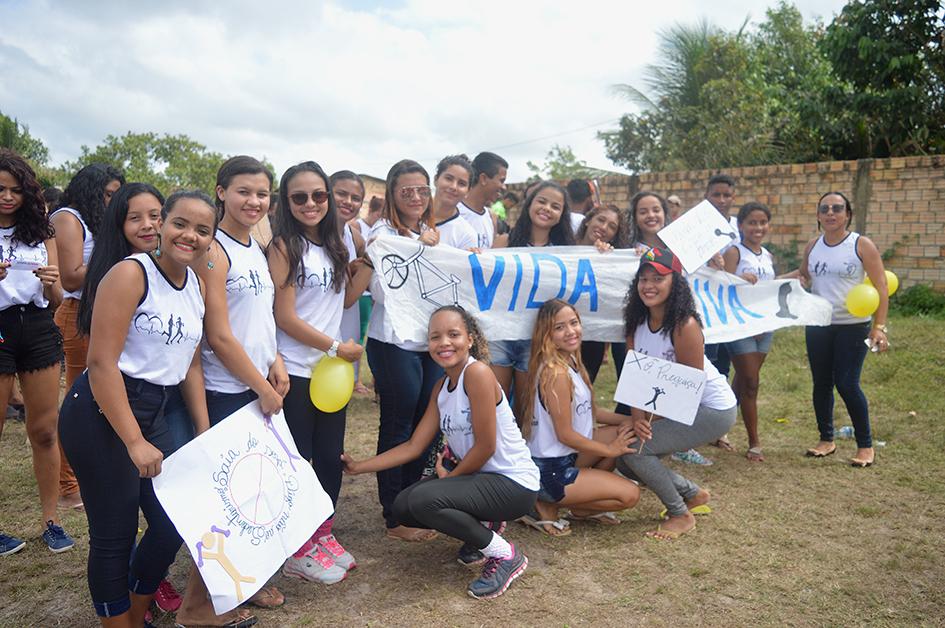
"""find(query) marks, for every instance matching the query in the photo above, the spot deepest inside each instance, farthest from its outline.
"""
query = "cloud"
(352, 85)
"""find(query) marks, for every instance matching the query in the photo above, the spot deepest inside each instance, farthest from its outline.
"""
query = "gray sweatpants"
(668, 437)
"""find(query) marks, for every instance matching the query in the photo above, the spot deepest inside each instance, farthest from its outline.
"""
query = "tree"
(168, 162)
(17, 137)
(561, 164)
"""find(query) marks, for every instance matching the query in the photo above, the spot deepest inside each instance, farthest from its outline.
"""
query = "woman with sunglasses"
(308, 262)
(834, 263)
(404, 372)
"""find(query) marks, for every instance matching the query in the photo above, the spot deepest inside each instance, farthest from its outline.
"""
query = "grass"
(792, 541)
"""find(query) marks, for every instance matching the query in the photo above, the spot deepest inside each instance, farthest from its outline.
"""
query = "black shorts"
(31, 341)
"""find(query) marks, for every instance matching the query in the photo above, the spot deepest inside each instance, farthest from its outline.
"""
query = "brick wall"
(899, 203)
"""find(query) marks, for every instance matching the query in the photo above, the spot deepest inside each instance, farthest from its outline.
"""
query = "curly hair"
(635, 234)
(32, 223)
(480, 345)
(86, 193)
(561, 234)
(621, 239)
(546, 362)
(680, 306)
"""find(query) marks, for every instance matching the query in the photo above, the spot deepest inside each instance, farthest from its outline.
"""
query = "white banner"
(660, 387)
(505, 288)
(243, 500)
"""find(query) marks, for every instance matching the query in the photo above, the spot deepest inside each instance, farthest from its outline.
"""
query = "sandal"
(412, 535)
(754, 454)
(561, 527)
(813, 452)
(860, 463)
(701, 509)
(603, 518)
(243, 619)
(267, 597)
(724, 444)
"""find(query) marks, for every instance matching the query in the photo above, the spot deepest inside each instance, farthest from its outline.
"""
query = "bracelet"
(882, 328)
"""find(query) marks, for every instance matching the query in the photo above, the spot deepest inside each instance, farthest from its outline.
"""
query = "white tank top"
(716, 394)
(88, 242)
(511, 457)
(21, 286)
(761, 265)
(351, 318)
(316, 303)
(481, 224)
(165, 329)
(543, 441)
(249, 297)
(834, 271)
(457, 232)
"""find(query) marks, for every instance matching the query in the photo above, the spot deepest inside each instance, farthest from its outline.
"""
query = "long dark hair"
(111, 246)
(635, 234)
(86, 193)
(680, 306)
(390, 213)
(291, 233)
(32, 223)
(561, 234)
(233, 167)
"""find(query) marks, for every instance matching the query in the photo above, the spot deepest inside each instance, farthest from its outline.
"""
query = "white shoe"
(340, 555)
(316, 566)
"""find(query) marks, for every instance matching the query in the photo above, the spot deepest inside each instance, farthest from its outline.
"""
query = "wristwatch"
(333, 351)
(882, 328)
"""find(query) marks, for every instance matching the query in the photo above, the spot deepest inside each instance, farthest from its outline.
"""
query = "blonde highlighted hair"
(546, 362)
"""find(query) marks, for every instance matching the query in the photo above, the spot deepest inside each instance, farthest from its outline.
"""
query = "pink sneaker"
(316, 566)
(167, 598)
(340, 555)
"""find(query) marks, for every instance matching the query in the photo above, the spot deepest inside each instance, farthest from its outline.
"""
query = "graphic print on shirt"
(10, 253)
(173, 329)
(463, 427)
(669, 354)
(252, 282)
(324, 280)
(582, 407)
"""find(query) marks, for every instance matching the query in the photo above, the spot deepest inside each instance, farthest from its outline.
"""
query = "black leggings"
(592, 355)
(456, 505)
(112, 492)
(319, 436)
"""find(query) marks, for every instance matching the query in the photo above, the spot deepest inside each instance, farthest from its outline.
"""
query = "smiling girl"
(451, 183)
(112, 420)
(490, 478)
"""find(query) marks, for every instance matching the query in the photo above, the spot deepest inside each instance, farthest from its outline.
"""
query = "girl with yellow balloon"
(309, 265)
(835, 264)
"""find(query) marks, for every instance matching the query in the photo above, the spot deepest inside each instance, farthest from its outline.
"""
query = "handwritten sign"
(24, 264)
(667, 389)
(697, 235)
(505, 287)
(243, 500)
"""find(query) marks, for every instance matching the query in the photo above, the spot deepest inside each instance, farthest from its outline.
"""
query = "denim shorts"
(29, 339)
(556, 473)
(512, 353)
(753, 344)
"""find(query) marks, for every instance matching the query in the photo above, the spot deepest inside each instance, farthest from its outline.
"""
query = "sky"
(352, 85)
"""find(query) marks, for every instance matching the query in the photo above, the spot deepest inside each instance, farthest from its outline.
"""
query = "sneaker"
(316, 566)
(167, 598)
(340, 555)
(497, 575)
(10, 544)
(496, 526)
(56, 538)
(692, 457)
(469, 555)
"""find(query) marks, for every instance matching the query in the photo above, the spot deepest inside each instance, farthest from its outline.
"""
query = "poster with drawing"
(667, 389)
(697, 235)
(243, 500)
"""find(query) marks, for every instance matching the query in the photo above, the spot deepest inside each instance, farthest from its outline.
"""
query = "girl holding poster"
(309, 265)
(834, 263)
(660, 320)
(575, 459)
(487, 474)
(112, 420)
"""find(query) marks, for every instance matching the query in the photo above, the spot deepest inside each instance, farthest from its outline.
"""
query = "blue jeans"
(836, 355)
(403, 380)
(718, 356)
(219, 406)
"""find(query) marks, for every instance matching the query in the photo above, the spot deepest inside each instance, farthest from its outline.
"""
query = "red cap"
(662, 260)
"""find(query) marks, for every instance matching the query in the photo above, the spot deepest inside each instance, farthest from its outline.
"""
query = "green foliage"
(788, 257)
(919, 300)
(561, 164)
(168, 162)
(17, 137)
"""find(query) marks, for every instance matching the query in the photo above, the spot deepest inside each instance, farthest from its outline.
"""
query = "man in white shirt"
(581, 200)
(488, 183)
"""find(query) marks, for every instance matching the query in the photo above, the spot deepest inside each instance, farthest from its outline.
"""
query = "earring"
(209, 262)
(157, 251)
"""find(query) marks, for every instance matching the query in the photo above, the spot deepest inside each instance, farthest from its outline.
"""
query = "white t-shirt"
(249, 297)
(21, 286)
(834, 271)
(88, 243)
(576, 220)
(458, 233)
(511, 457)
(481, 222)
(759, 264)
(165, 329)
(543, 441)
(716, 394)
(318, 304)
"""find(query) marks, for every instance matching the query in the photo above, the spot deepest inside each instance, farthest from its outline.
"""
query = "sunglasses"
(836, 209)
(407, 192)
(300, 198)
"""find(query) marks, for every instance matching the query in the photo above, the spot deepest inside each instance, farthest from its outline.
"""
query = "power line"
(549, 137)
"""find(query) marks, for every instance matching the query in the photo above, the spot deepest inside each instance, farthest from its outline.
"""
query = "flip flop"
(860, 464)
(701, 509)
(754, 454)
(603, 518)
(267, 597)
(419, 535)
(561, 525)
(816, 453)
(724, 444)
(238, 622)
(667, 535)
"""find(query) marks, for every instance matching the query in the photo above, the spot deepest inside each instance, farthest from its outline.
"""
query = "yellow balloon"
(862, 300)
(332, 384)
(892, 282)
